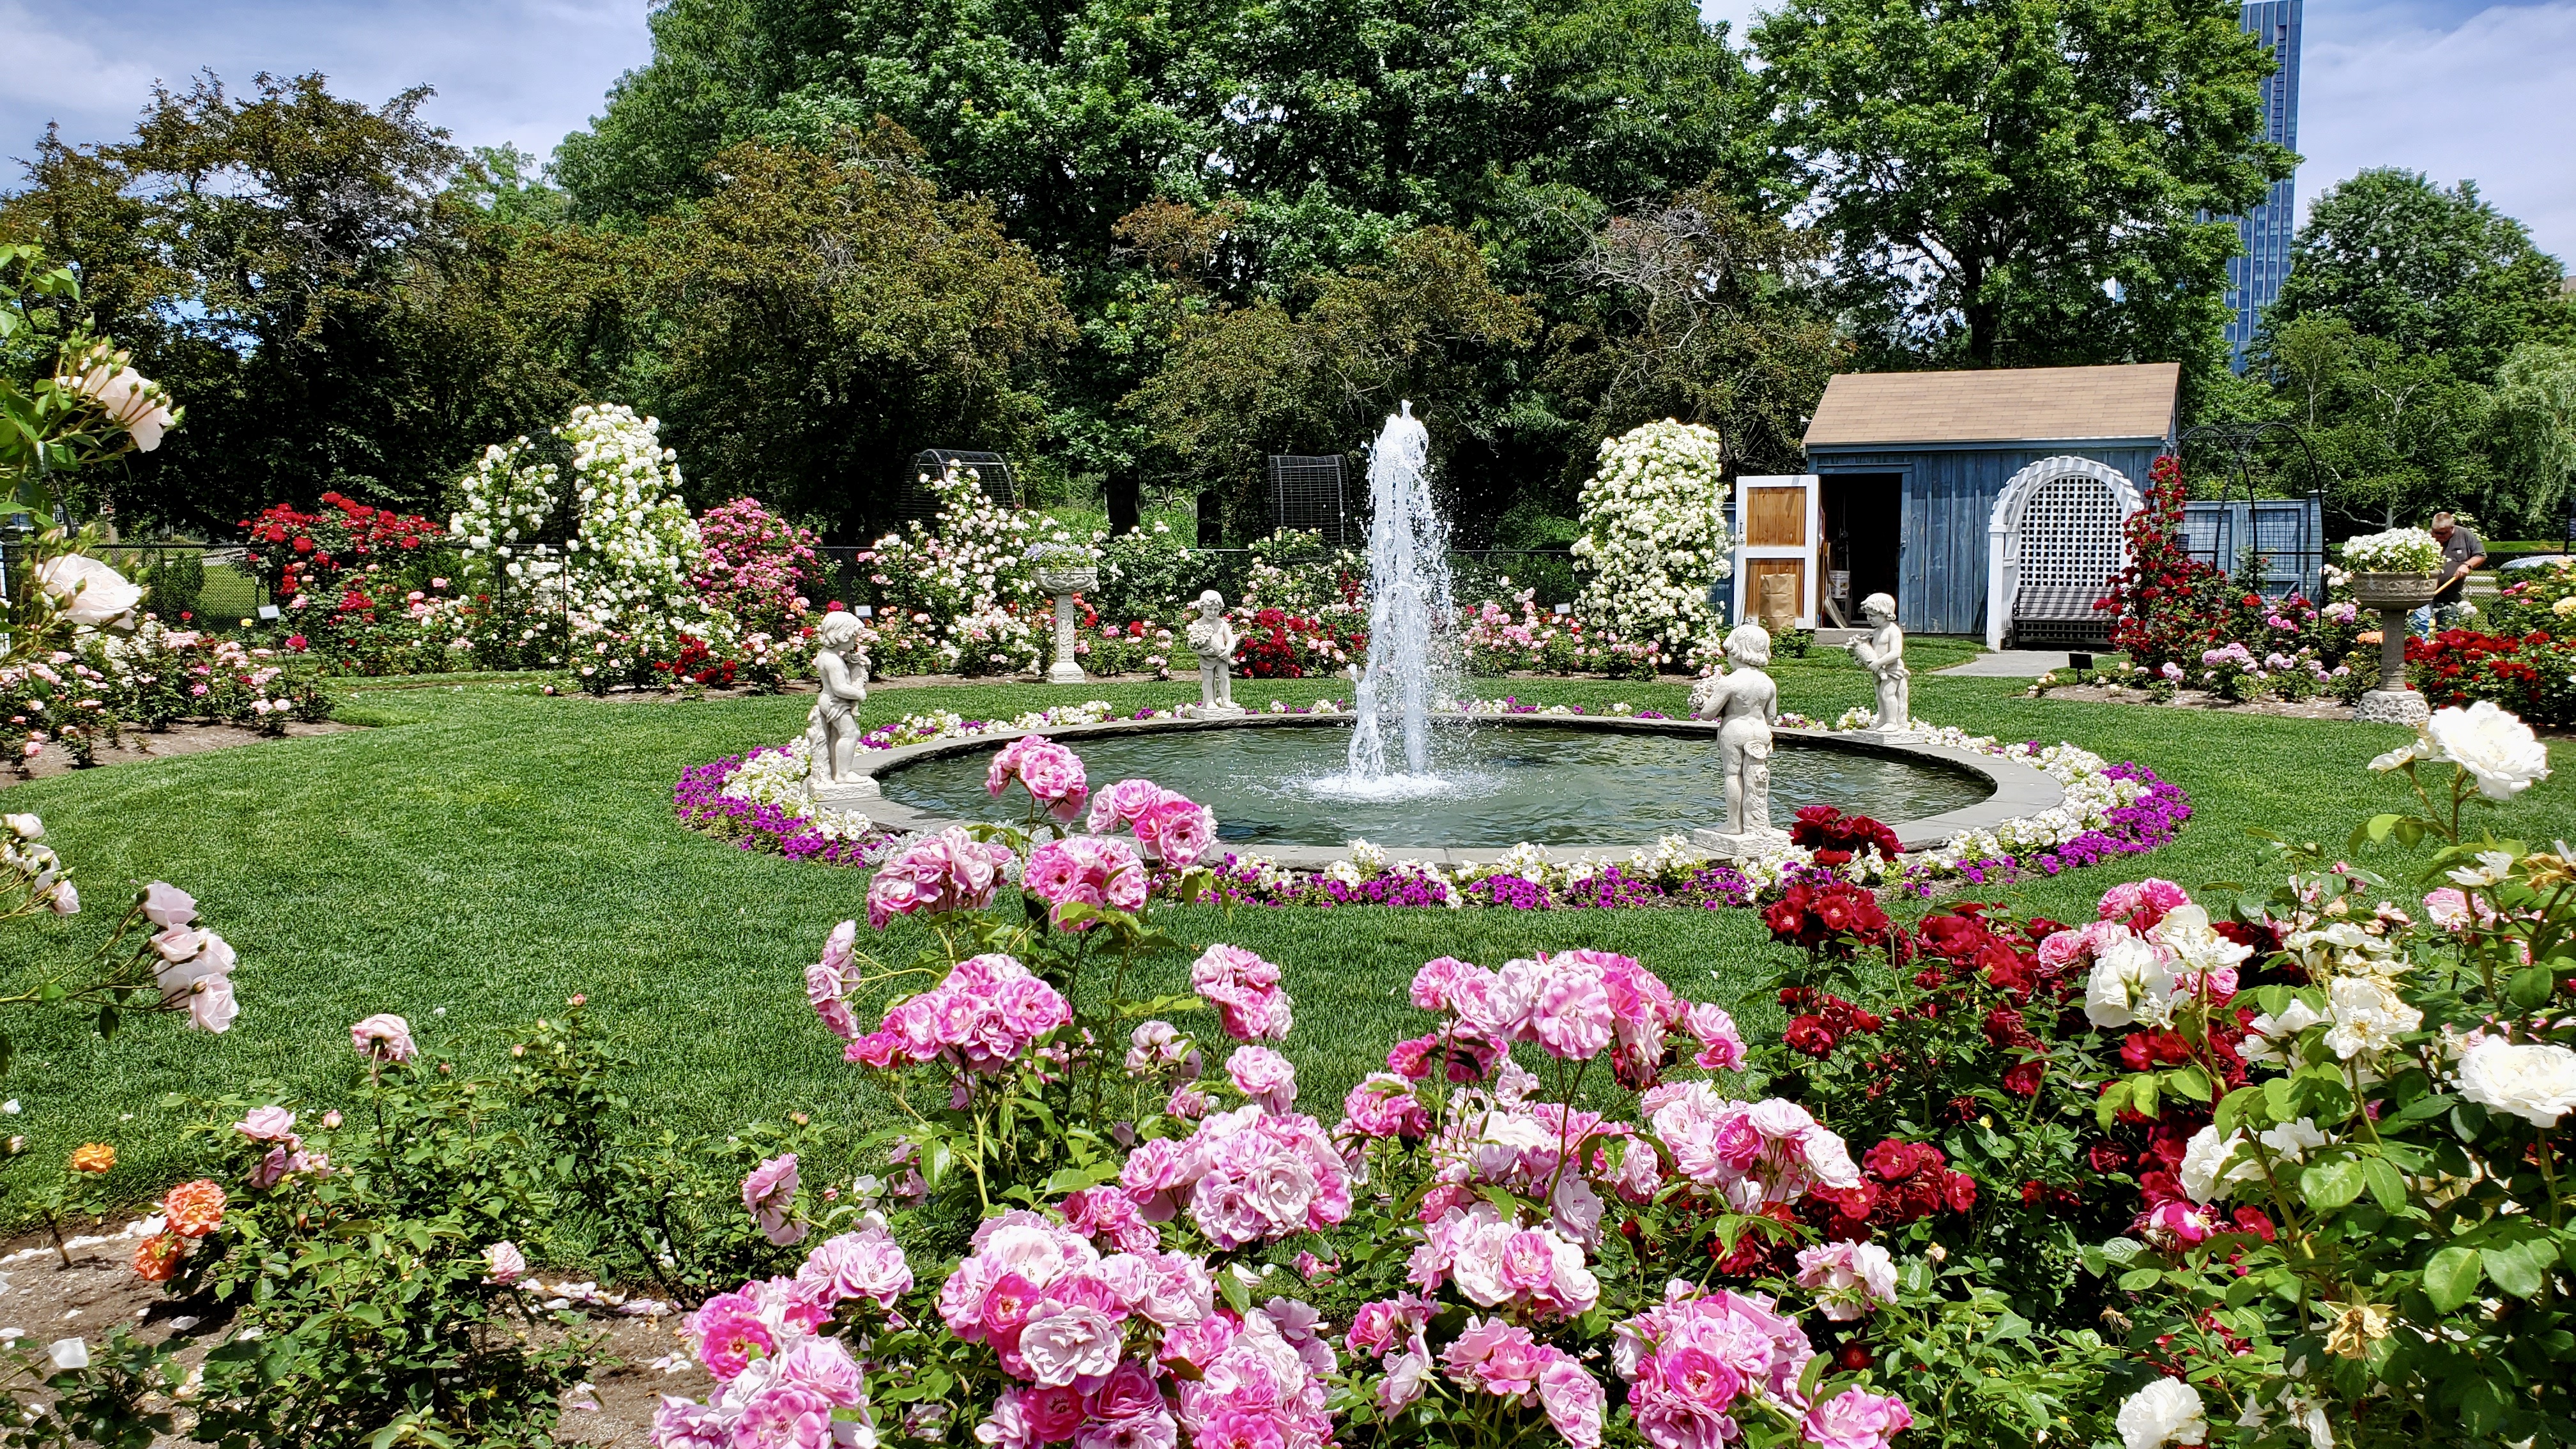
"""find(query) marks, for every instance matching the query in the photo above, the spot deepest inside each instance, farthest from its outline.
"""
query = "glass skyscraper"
(2254, 278)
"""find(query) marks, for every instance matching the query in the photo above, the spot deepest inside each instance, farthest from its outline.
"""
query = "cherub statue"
(1746, 702)
(1881, 651)
(1212, 639)
(841, 671)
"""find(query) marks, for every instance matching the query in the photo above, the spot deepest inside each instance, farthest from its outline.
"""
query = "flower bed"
(2110, 810)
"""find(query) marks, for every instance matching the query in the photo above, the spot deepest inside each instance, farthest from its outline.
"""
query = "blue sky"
(2455, 88)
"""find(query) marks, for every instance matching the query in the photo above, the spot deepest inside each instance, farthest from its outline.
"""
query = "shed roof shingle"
(2049, 404)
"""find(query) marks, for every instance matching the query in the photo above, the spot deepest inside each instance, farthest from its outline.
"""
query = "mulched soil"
(42, 1301)
(179, 739)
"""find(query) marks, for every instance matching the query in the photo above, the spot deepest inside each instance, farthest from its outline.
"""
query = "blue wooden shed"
(1987, 503)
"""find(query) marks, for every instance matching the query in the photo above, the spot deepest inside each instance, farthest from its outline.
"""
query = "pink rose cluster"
(1849, 1279)
(1245, 991)
(1263, 1076)
(828, 982)
(1690, 1359)
(1500, 1140)
(1247, 1175)
(1052, 773)
(986, 1012)
(1087, 1337)
(1262, 1379)
(769, 1195)
(1088, 870)
(950, 871)
(1495, 1261)
(786, 1382)
(1750, 1153)
(1574, 1005)
(196, 965)
(1169, 826)
(1382, 1107)
(1155, 1045)
(1505, 1360)
(2140, 904)
(285, 1156)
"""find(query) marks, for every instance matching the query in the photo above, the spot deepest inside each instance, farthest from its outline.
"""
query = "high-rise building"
(2254, 278)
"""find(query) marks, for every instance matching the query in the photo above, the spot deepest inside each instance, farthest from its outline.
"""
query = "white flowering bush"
(612, 545)
(2397, 551)
(969, 574)
(1654, 536)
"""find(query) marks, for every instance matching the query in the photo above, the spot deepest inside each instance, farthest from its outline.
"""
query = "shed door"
(1781, 523)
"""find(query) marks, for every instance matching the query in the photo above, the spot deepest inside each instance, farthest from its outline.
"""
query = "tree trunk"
(1212, 518)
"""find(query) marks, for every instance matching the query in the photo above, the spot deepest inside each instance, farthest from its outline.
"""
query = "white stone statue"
(1212, 639)
(1881, 651)
(832, 730)
(1746, 702)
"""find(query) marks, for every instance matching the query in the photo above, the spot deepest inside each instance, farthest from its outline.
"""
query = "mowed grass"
(483, 852)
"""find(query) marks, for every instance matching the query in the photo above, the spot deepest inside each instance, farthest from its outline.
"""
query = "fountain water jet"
(1412, 613)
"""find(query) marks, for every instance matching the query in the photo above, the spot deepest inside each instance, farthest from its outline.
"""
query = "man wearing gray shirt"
(2461, 552)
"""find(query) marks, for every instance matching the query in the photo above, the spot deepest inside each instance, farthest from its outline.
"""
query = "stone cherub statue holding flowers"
(841, 674)
(1881, 651)
(1212, 639)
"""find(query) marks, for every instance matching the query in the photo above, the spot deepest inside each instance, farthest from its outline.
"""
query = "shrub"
(2533, 675)
(1654, 537)
(295, 552)
(755, 566)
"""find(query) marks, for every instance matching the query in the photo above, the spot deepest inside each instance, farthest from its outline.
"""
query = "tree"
(1703, 313)
(2535, 425)
(2431, 271)
(260, 252)
(1271, 378)
(815, 322)
(2019, 182)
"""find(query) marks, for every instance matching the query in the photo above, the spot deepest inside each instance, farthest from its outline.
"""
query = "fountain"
(1411, 616)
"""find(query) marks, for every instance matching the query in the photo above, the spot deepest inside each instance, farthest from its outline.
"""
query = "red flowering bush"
(696, 664)
(1825, 915)
(1281, 645)
(295, 552)
(2528, 674)
(2169, 605)
(1836, 838)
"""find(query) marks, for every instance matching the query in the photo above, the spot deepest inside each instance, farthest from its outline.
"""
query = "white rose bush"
(2367, 1241)
(1654, 537)
(965, 582)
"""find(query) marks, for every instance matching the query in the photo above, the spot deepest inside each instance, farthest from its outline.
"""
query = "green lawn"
(487, 851)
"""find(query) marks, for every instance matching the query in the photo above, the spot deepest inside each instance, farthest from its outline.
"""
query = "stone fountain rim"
(2018, 790)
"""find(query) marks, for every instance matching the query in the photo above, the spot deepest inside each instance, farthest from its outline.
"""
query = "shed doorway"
(1863, 539)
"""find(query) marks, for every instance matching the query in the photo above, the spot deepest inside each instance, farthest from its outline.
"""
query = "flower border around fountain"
(2056, 807)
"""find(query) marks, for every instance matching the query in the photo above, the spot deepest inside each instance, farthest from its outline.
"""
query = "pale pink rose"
(503, 1263)
(1431, 983)
(1406, 1376)
(1176, 831)
(1574, 1401)
(769, 1195)
(2449, 908)
(1245, 990)
(1495, 1357)
(166, 905)
(384, 1037)
(1264, 1076)
(211, 1006)
(266, 1124)
(1721, 1046)
(1121, 803)
(1855, 1419)
(1570, 1012)
(865, 1264)
(824, 1366)
(1069, 1344)
(1850, 1279)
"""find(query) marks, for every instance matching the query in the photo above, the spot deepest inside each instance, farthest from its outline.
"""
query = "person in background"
(2461, 552)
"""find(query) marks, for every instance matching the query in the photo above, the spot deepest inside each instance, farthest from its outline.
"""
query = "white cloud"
(2480, 96)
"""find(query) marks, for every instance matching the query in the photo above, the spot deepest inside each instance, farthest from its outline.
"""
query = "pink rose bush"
(936, 875)
(1169, 827)
(984, 1015)
(1086, 870)
(787, 1374)
(1051, 773)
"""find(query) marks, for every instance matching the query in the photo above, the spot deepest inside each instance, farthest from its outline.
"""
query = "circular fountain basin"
(1572, 783)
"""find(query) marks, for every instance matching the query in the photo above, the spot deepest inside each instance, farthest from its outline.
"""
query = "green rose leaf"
(2330, 1185)
(2451, 1279)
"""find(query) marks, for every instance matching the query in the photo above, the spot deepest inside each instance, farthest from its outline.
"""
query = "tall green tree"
(2431, 270)
(2535, 433)
(267, 253)
(2025, 182)
(817, 321)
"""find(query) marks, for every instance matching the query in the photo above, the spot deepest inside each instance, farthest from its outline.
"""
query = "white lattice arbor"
(2054, 542)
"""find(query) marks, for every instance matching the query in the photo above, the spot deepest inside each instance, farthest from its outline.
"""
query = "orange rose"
(194, 1209)
(93, 1157)
(156, 1258)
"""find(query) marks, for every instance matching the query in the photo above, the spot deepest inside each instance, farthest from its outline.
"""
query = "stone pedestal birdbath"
(1064, 571)
(2392, 701)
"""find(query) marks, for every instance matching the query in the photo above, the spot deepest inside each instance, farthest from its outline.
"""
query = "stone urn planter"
(2394, 596)
(1065, 572)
